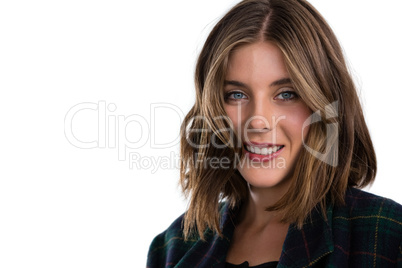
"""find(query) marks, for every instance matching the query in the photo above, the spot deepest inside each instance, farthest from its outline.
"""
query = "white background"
(62, 206)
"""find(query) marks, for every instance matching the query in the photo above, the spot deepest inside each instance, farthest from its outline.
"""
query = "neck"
(254, 210)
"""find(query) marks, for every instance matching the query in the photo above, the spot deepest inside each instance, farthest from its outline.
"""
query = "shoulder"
(365, 208)
(368, 225)
(359, 203)
(168, 242)
(169, 247)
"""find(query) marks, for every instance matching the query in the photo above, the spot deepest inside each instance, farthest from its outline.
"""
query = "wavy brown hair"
(338, 151)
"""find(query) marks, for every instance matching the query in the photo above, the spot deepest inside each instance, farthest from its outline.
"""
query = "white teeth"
(263, 151)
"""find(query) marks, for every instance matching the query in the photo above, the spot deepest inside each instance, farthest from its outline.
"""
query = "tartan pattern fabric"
(366, 232)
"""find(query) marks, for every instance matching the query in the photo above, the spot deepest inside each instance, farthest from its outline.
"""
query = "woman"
(274, 150)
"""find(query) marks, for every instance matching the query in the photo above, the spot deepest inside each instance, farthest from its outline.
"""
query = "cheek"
(232, 113)
(298, 122)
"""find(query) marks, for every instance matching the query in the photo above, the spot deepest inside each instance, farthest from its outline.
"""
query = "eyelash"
(288, 92)
(228, 94)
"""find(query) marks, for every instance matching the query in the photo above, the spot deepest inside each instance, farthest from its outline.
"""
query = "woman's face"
(266, 112)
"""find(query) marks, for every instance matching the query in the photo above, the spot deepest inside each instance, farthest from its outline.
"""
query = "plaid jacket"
(367, 232)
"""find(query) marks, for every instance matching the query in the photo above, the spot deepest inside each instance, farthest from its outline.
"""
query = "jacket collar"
(302, 247)
(308, 245)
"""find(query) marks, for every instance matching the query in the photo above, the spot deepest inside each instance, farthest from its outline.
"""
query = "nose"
(259, 117)
(259, 123)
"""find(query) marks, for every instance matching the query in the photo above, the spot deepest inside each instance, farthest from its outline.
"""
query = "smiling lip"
(257, 156)
(258, 144)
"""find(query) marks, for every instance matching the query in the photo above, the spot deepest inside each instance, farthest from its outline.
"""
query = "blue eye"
(287, 95)
(235, 95)
(238, 95)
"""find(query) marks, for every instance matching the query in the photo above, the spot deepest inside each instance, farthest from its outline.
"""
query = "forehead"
(257, 61)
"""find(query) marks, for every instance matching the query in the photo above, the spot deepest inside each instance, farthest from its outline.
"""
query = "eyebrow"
(234, 83)
(282, 81)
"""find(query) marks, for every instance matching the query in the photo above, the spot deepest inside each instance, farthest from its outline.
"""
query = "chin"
(265, 176)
